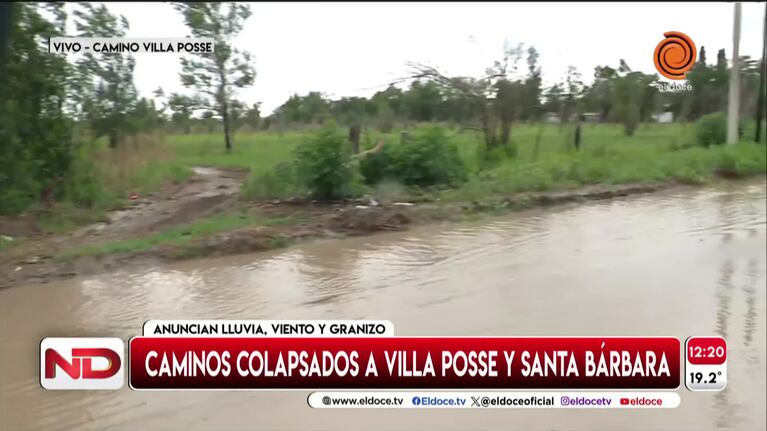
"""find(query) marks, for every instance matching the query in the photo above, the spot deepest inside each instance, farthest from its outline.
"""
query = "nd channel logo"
(81, 363)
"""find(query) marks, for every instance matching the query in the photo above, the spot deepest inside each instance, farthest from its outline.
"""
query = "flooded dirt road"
(680, 263)
(195, 198)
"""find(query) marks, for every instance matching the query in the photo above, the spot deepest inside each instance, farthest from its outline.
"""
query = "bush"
(742, 159)
(18, 188)
(323, 164)
(377, 166)
(280, 182)
(494, 156)
(711, 129)
(87, 184)
(428, 159)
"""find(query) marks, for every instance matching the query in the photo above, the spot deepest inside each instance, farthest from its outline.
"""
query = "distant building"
(588, 117)
(591, 117)
(665, 117)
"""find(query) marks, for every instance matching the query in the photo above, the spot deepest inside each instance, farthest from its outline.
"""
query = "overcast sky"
(355, 49)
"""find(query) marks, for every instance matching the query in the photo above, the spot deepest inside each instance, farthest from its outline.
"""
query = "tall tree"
(573, 89)
(253, 116)
(483, 93)
(217, 75)
(106, 93)
(145, 116)
(423, 100)
(553, 99)
(316, 107)
(602, 90)
(531, 109)
(394, 97)
(236, 113)
(633, 97)
(182, 108)
(35, 135)
(509, 99)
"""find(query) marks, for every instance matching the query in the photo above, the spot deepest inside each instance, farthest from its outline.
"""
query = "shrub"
(426, 159)
(711, 129)
(430, 159)
(742, 159)
(323, 164)
(18, 189)
(377, 166)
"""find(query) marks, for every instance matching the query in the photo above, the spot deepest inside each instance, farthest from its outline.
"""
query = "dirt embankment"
(207, 192)
(213, 190)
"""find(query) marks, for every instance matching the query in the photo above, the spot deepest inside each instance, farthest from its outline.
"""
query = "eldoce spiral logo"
(675, 55)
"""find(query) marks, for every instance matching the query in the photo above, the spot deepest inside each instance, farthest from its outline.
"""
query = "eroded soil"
(212, 191)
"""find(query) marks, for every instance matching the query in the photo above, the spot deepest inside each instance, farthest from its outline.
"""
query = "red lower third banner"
(405, 363)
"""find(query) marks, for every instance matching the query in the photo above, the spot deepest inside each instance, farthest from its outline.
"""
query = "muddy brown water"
(682, 262)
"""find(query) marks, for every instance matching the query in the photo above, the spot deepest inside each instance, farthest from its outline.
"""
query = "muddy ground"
(212, 191)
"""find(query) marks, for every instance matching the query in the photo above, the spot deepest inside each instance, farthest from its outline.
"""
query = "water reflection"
(749, 291)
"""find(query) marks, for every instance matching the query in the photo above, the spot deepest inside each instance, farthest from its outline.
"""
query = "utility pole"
(734, 99)
(762, 78)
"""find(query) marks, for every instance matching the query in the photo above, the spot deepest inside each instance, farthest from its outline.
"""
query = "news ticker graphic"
(225, 363)
(705, 363)
(267, 328)
(121, 45)
(502, 400)
(365, 355)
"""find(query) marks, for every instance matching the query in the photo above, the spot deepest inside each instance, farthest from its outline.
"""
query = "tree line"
(49, 105)
(616, 94)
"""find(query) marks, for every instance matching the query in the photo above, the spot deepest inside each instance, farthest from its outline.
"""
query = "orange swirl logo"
(675, 55)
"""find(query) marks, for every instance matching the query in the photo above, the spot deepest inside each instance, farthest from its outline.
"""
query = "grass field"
(546, 158)
(263, 150)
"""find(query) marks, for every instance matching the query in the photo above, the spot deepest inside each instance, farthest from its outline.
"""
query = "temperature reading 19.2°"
(699, 378)
(706, 363)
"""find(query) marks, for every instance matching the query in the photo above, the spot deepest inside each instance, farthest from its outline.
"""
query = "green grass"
(656, 152)
(545, 159)
(102, 180)
(262, 151)
(258, 152)
(628, 163)
(65, 217)
(6, 244)
(179, 235)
